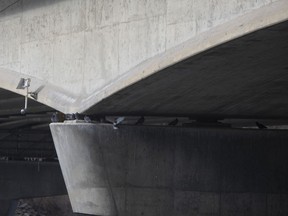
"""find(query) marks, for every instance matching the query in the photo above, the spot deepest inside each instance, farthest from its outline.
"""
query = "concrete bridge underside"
(200, 59)
(148, 57)
(244, 78)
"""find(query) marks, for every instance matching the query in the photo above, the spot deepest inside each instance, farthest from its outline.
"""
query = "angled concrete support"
(172, 171)
(83, 168)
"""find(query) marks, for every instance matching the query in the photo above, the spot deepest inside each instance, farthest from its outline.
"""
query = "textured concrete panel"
(145, 170)
(237, 153)
(149, 202)
(101, 45)
(113, 155)
(10, 32)
(146, 153)
(190, 203)
(31, 52)
(244, 204)
(86, 175)
(197, 163)
(252, 85)
(120, 42)
(68, 61)
(120, 199)
(277, 204)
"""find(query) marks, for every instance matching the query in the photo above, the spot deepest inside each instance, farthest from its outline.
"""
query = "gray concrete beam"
(145, 170)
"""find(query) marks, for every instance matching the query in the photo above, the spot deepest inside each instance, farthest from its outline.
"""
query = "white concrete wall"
(85, 50)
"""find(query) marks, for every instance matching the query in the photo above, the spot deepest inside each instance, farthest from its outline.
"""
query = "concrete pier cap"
(175, 171)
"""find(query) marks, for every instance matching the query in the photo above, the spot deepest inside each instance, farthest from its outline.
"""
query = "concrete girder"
(56, 44)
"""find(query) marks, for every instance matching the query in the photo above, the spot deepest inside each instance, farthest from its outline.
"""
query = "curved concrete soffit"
(66, 102)
(257, 19)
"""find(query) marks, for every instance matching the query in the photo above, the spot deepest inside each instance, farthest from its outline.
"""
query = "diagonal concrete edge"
(83, 169)
(254, 20)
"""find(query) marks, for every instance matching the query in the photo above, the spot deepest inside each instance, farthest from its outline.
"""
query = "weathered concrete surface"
(81, 182)
(83, 51)
(243, 78)
(139, 170)
(30, 179)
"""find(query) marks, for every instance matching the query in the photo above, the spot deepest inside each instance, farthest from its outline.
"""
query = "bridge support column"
(147, 170)
(84, 169)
